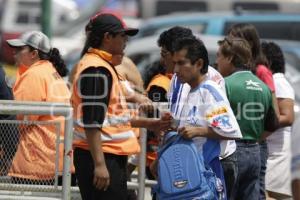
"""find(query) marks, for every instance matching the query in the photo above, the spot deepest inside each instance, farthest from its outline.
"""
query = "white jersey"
(177, 96)
(208, 106)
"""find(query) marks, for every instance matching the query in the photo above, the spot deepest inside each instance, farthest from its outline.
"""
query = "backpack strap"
(169, 139)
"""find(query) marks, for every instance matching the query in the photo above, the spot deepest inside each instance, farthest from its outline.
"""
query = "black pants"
(117, 169)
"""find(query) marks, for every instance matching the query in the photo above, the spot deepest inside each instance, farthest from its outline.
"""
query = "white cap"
(35, 39)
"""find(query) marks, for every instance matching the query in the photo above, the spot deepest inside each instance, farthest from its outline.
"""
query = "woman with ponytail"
(39, 79)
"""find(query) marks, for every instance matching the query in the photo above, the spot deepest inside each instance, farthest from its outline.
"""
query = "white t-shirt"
(208, 106)
(295, 150)
(278, 176)
(177, 96)
(283, 89)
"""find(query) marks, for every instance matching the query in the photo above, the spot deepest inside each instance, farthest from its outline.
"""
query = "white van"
(162, 7)
(19, 16)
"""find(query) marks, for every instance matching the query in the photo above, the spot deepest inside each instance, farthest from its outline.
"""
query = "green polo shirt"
(250, 100)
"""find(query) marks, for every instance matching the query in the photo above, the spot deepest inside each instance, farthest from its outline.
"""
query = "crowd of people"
(238, 114)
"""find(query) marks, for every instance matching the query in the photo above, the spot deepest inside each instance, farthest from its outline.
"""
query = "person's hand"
(147, 106)
(188, 132)
(166, 116)
(159, 125)
(163, 124)
(101, 177)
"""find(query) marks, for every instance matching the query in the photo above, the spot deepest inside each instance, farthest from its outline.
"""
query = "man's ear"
(230, 58)
(199, 63)
(107, 36)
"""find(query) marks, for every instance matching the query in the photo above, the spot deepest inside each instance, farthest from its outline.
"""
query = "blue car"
(273, 26)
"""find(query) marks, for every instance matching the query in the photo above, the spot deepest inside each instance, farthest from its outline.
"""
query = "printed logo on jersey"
(252, 85)
(218, 117)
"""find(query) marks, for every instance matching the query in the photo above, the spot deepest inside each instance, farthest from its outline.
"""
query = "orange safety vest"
(116, 132)
(35, 157)
(164, 82)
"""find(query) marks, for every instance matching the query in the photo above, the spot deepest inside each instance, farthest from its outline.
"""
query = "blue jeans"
(230, 167)
(248, 159)
(263, 160)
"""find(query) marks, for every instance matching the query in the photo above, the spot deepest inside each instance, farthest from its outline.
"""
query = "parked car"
(144, 52)
(272, 26)
(163, 7)
(19, 16)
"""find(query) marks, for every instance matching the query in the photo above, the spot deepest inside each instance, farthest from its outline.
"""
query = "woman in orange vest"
(103, 136)
(38, 79)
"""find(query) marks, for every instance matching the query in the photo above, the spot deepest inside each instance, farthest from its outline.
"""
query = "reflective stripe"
(108, 121)
(105, 137)
(111, 121)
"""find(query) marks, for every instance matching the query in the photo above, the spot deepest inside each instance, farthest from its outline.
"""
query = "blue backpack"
(182, 173)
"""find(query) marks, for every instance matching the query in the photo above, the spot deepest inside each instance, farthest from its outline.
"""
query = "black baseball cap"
(108, 22)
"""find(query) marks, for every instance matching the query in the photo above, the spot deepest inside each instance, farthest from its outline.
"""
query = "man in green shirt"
(251, 102)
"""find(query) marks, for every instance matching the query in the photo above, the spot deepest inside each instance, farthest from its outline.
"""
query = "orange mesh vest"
(164, 82)
(116, 132)
(35, 157)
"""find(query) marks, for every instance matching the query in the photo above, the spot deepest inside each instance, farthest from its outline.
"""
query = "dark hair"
(94, 37)
(250, 34)
(153, 70)
(167, 38)
(195, 50)
(274, 56)
(55, 58)
(238, 49)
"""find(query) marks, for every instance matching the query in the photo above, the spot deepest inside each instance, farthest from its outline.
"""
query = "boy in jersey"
(206, 116)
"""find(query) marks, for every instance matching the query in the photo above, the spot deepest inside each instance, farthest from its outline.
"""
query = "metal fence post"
(142, 165)
(68, 138)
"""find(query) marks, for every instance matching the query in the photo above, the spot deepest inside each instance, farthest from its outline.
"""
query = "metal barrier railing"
(59, 109)
(42, 108)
